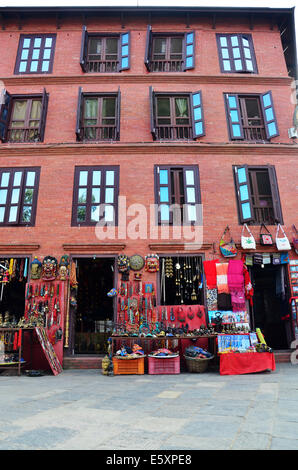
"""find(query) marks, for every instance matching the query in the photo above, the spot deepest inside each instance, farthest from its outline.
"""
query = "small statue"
(64, 268)
(36, 268)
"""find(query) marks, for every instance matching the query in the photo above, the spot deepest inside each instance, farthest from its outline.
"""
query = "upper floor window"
(18, 195)
(176, 116)
(236, 53)
(169, 52)
(105, 52)
(35, 53)
(98, 116)
(95, 197)
(251, 117)
(257, 195)
(22, 117)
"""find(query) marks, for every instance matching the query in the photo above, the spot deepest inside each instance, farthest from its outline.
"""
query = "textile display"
(246, 363)
(282, 242)
(236, 284)
(247, 241)
(212, 299)
(210, 273)
(222, 278)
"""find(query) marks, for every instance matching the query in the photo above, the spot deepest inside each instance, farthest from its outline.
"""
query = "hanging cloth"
(249, 291)
(210, 273)
(236, 285)
(222, 278)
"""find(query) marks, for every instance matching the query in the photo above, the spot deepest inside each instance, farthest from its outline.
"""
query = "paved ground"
(84, 410)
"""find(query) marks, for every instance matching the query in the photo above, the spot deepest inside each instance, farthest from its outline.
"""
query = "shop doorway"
(270, 310)
(13, 279)
(95, 309)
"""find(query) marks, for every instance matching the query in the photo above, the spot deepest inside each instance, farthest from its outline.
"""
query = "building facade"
(109, 116)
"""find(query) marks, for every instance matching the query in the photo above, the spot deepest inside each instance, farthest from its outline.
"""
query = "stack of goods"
(163, 352)
(194, 351)
(242, 343)
(130, 353)
(197, 359)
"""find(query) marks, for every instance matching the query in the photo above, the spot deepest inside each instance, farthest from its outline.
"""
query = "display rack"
(17, 350)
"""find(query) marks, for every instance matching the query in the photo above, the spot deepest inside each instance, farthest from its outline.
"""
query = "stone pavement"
(84, 410)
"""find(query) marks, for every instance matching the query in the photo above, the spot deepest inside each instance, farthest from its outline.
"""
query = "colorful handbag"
(247, 242)
(228, 249)
(295, 238)
(265, 238)
(282, 243)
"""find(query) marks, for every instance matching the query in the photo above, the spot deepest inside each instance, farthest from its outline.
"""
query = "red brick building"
(157, 105)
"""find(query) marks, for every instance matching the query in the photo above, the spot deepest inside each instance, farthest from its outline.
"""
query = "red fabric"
(249, 291)
(210, 273)
(235, 274)
(245, 363)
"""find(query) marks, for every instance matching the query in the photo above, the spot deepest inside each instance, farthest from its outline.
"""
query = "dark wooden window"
(102, 55)
(177, 194)
(257, 195)
(35, 53)
(236, 53)
(95, 196)
(167, 54)
(173, 117)
(98, 117)
(252, 120)
(18, 195)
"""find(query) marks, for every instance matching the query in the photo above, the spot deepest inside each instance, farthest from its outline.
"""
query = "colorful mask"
(63, 273)
(152, 263)
(123, 263)
(36, 268)
(49, 268)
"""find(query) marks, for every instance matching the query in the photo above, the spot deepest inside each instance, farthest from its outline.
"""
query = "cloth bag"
(282, 243)
(227, 248)
(265, 238)
(247, 242)
(295, 238)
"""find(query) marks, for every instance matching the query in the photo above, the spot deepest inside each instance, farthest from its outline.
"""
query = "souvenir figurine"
(123, 263)
(64, 268)
(152, 263)
(36, 268)
(49, 268)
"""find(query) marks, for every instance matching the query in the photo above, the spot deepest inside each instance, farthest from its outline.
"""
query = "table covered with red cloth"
(245, 363)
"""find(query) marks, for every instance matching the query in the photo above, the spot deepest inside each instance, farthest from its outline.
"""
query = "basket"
(197, 364)
(124, 366)
(163, 365)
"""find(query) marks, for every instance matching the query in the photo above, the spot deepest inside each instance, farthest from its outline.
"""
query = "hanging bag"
(282, 243)
(265, 238)
(247, 242)
(228, 248)
(295, 238)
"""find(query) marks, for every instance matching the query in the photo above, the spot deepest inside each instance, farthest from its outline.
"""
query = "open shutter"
(84, 45)
(152, 112)
(124, 60)
(148, 47)
(192, 209)
(5, 101)
(118, 114)
(43, 116)
(234, 117)
(163, 194)
(189, 51)
(79, 130)
(197, 114)
(275, 195)
(243, 194)
(269, 115)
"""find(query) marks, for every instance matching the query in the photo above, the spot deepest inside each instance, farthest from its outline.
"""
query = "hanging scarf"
(210, 273)
(249, 292)
(236, 285)
(212, 299)
(222, 278)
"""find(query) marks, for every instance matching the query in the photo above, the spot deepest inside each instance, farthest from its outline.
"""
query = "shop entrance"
(95, 309)
(270, 310)
(13, 278)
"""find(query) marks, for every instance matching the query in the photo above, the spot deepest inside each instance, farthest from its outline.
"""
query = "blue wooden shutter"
(197, 114)
(84, 45)
(79, 130)
(269, 115)
(148, 47)
(124, 51)
(243, 194)
(4, 114)
(192, 211)
(163, 194)
(189, 50)
(234, 117)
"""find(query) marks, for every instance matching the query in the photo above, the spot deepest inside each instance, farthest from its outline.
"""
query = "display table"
(245, 363)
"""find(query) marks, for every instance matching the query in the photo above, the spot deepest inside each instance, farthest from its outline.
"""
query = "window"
(251, 117)
(18, 195)
(176, 116)
(35, 53)
(105, 52)
(98, 116)
(95, 195)
(257, 195)
(169, 52)
(23, 117)
(236, 53)
(177, 187)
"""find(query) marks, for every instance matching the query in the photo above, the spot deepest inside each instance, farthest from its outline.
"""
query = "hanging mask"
(152, 263)
(49, 268)
(36, 268)
(123, 263)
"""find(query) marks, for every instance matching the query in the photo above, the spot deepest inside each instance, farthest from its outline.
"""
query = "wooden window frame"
(39, 70)
(275, 196)
(242, 57)
(21, 203)
(102, 64)
(166, 132)
(167, 64)
(175, 192)
(88, 222)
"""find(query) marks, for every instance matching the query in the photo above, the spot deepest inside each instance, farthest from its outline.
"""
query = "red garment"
(235, 274)
(249, 292)
(210, 273)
